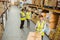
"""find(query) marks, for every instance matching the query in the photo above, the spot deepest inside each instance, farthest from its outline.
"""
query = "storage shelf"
(53, 10)
(57, 11)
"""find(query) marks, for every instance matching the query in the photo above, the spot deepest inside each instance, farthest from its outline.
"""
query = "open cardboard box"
(34, 36)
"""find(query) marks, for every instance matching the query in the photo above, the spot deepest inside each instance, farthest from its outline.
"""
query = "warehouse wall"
(12, 1)
(29, 1)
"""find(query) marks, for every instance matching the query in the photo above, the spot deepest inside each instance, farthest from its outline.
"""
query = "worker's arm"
(36, 25)
(20, 15)
(31, 14)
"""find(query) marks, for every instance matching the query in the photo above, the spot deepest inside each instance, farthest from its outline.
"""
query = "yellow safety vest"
(28, 15)
(23, 16)
(40, 27)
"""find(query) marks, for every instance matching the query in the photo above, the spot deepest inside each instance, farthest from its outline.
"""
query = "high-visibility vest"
(22, 14)
(40, 27)
(28, 15)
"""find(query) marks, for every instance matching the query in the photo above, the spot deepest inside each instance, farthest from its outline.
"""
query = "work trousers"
(28, 23)
(42, 37)
(22, 23)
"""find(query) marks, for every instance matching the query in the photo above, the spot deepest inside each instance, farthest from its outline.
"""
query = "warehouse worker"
(41, 25)
(28, 17)
(22, 15)
(22, 2)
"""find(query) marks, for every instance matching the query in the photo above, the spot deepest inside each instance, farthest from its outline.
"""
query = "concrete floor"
(12, 28)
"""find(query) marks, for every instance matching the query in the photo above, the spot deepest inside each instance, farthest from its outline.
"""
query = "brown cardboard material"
(34, 36)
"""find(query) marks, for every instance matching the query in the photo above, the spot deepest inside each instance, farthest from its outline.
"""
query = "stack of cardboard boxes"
(57, 34)
(50, 3)
(34, 36)
(1, 11)
(37, 2)
(1, 31)
(1, 8)
(58, 4)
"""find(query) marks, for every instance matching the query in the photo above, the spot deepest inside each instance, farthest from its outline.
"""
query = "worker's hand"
(35, 28)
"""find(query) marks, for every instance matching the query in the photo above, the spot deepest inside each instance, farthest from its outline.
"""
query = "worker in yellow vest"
(23, 18)
(41, 25)
(28, 17)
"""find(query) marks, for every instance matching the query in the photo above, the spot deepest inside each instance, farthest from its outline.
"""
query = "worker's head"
(22, 10)
(44, 13)
(41, 17)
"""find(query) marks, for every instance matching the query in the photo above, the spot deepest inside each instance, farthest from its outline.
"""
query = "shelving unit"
(55, 12)
(42, 6)
(3, 12)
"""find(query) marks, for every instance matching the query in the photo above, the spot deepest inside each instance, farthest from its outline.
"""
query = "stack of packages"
(1, 31)
(33, 1)
(34, 36)
(1, 8)
(58, 4)
(57, 34)
(46, 2)
(16, 3)
(35, 16)
(51, 35)
(50, 3)
(1, 11)
(37, 2)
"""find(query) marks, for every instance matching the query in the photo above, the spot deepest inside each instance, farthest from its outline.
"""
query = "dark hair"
(45, 11)
(40, 16)
(22, 9)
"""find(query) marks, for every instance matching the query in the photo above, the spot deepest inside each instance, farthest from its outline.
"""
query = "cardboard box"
(1, 8)
(1, 31)
(51, 3)
(33, 1)
(34, 36)
(58, 4)
(38, 2)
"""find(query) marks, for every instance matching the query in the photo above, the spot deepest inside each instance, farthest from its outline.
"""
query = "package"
(1, 8)
(33, 1)
(57, 34)
(37, 2)
(34, 36)
(51, 3)
(1, 31)
(1, 5)
(58, 3)
(46, 2)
